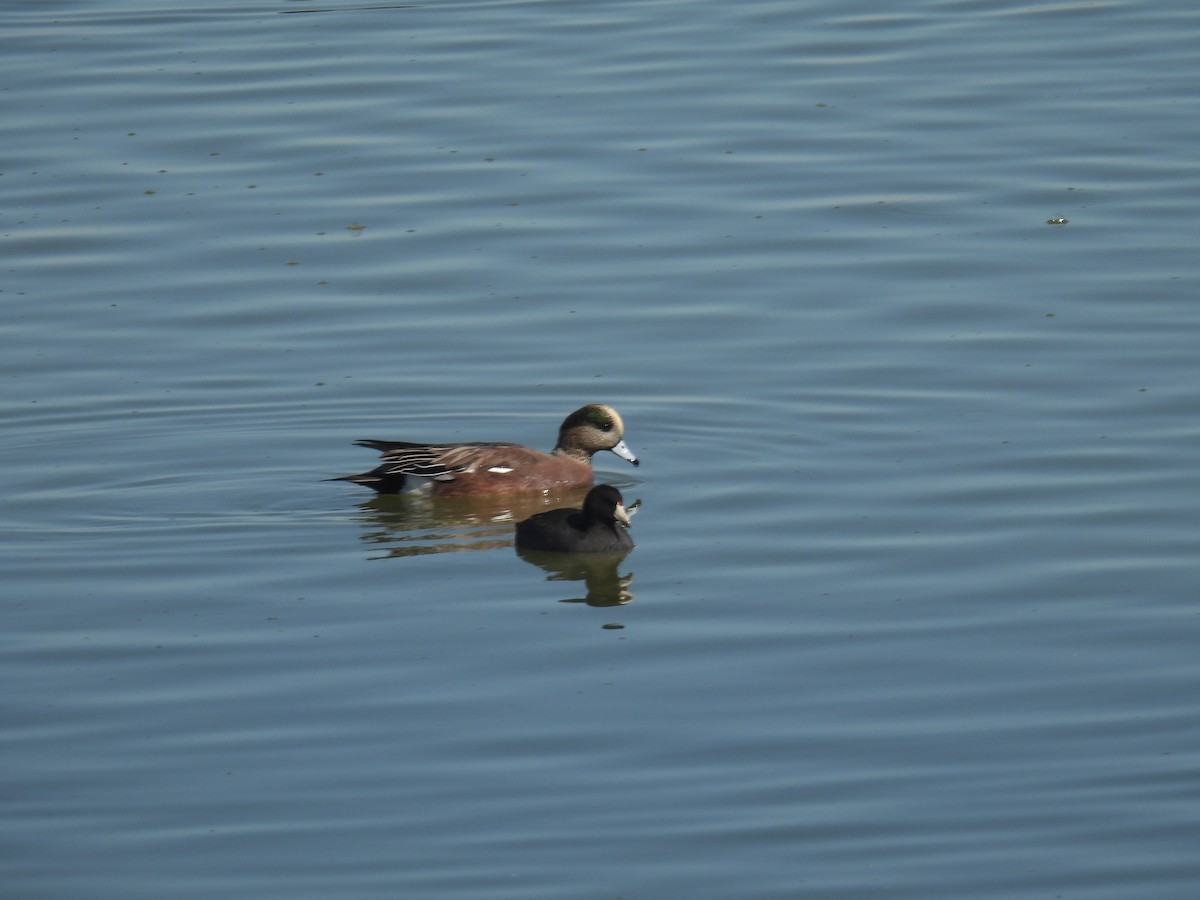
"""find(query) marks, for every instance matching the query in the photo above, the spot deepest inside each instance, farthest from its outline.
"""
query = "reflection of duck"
(479, 467)
(605, 585)
(599, 527)
(414, 524)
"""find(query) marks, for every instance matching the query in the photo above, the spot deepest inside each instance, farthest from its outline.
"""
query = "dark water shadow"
(333, 9)
(954, 206)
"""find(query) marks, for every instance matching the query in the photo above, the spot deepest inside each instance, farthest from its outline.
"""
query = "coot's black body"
(600, 527)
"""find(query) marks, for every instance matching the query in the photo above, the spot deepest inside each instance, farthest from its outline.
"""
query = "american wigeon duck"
(482, 467)
(600, 527)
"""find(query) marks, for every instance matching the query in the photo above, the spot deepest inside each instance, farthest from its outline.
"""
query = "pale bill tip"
(625, 453)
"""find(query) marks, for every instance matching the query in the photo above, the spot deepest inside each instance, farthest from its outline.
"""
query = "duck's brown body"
(482, 467)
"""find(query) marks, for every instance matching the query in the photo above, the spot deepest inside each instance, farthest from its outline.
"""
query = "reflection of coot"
(598, 571)
(600, 527)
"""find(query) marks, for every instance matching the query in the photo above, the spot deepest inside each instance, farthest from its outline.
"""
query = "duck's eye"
(606, 425)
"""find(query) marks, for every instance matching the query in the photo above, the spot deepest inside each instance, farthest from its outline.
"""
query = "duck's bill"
(625, 453)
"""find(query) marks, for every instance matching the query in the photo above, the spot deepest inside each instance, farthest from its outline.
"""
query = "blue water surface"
(899, 308)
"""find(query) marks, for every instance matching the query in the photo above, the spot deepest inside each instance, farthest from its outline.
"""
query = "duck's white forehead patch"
(500, 470)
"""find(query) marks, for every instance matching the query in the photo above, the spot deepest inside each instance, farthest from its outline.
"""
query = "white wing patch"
(500, 470)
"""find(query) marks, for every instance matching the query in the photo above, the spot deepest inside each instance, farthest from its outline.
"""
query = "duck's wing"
(440, 462)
